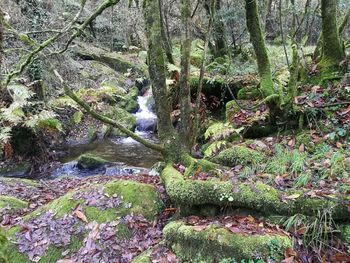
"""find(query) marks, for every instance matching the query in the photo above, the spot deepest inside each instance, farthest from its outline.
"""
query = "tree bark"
(185, 96)
(165, 38)
(332, 51)
(166, 131)
(264, 66)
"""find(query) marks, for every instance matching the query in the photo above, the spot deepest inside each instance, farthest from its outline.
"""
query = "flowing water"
(125, 154)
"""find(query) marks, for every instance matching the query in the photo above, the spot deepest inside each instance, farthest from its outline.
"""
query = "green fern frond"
(221, 130)
(214, 148)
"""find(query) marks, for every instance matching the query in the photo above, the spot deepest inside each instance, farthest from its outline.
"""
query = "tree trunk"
(166, 131)
(185, 96)
(165, 38)
(219, 31)
(264, 66)
(332, 51)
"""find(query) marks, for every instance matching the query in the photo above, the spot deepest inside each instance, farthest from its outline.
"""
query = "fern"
(221, 131)
(214, 148)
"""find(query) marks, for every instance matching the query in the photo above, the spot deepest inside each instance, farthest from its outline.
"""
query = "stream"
(125, 154)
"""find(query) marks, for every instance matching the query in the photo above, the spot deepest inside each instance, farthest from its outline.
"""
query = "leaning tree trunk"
(185, 96)
(264, 66)
(332, 50)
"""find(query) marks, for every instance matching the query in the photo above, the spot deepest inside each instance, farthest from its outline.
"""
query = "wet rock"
(17, 171)
(91, 162)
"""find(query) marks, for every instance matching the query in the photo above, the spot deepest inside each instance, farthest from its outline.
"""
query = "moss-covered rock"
(249, 93)
(18, 170)
(118, 62)
(11, 203)
(100, 204)
(239, 155)
(123, 117)
(90, 161)
(214, 244)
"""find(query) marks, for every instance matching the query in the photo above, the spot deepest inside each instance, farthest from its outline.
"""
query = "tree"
(263, 60)
(185, 96)
(220, 46)
(332, 49)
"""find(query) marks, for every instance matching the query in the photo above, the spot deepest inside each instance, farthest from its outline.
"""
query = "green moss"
(257, 196)
(3, 248)
(12, 202)
(19, 170)
(144, 257)
(14, 181)
(249, 93)
(137, 199)
(345, 233)
(143, 198)
(123, 117)
(239, 155)
(215, 243)
(90, 161)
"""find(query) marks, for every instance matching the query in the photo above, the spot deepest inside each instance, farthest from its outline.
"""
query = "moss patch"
(214, 244)
(135, 199)
(11, 202)
(238, 155)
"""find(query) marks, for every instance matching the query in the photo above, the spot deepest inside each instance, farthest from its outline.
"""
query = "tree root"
(259, 196)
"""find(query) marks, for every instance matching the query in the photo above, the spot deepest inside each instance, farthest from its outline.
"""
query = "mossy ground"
(137, 199)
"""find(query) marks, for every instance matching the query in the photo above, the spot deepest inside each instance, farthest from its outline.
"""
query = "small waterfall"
(146, 120)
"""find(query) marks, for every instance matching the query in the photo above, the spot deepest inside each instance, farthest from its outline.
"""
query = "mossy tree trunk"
(166, 130)
(332, 50)
(185, 96)
(263, 60)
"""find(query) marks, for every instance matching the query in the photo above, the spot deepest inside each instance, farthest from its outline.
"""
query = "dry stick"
(40, 47)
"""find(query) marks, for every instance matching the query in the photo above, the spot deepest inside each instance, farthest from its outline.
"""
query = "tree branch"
(91, 18)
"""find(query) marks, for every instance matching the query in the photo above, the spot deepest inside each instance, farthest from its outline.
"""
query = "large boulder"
(115, 218)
